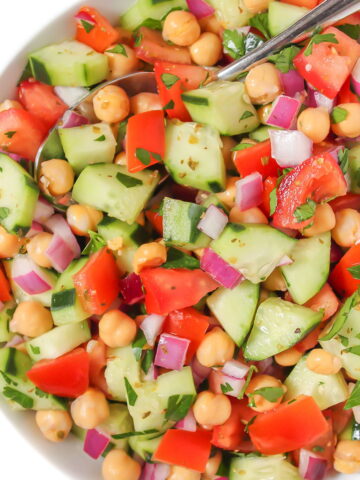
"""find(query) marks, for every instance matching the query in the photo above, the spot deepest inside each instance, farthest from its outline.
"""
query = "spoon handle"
(318, 16)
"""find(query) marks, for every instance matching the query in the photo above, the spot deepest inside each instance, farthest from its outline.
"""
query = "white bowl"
(68, 457)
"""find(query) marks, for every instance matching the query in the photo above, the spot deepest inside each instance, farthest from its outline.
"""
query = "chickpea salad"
(190, 310)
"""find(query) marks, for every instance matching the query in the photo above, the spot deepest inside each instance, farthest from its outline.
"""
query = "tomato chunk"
(230, 434)
(98, 32)
(5, 292)
(347, 94)
(65, 376)
(172, 289)
(340, 278)
(186, 449)
(351, 200)
(325, 301)
(269, 186)
(291, 426)
(302, 3)
(256, 158)
(98, 283)
(155, 219)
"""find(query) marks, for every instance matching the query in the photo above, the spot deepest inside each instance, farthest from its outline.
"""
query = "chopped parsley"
(343, 158)
(354, 399)
(234, 43)
(102, 138)
(353, 31)
(246, 114)
(251, 372)
(178, 259)
(10, 134)
(261, 23)
(319, 38)
(169, 106)
(178, 407)
(355, 271)
(145, 156)
(4, 212)
(96, 242)
(18, 397)
(87, 26)
(226, 387)
(338, 115)
(128, 181)
(130, 392)
(271, 394)
(120, 436)
(168, 79)
(305, 211)
(273, 201)
(284, 59)
(35, 350)
(119, 48)
(241, 146)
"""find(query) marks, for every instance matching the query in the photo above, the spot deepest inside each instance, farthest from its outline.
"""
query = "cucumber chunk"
(119, 421)
(69, 63)
(274, 467)
(88, 144)
(144, 9)
(253, 249)
(278, 326)
(122, 363)
(306, 276)
(145, 445)
(17, 203)
(193, 156)
(132, 235)
(354, 169)
(262, 133)
(6, 315)
(326, 390)
(282, 15)
(223, 105)
(14, 362)
(109, 194)
(235, 309)
(231, 13)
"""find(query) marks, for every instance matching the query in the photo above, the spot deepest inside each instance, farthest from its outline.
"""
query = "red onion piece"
(14, 156)
(335, 253)
(292, 82)
(290, 147)
(171, 352)
(58, 225)
(155, 471)
(16, 340)
(188, 423)
(71, 95)
(200, 8)
(235, 369)
(317, 99)
(283, 112)
(95, 443)
(43, 211)
(31, 278)
(151, 326)
(311, 466)
(264, 365)
(59, 253)
(249, 191)
(355, 77)
(285, 260)
(221, 271)
(221, 383)
(86, 17)
(200, 373)
(34, 230)
(131, 289)
(72, 119)
(213, 222)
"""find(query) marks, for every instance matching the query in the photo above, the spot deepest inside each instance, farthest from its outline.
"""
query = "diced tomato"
(353, 19)
(309, 342)
(186, 449)
(99, 34)
(350, 200)
(256, 159)
(346, 94)
(290, 426)
(5, 292)
(151, 47)
(340, 417)
(340, 278)
(189, 77)
(329, 64)
(98, 283)
(230, 434)
(172, 289)
(302, 3)
(65, 376)
(269, 186)
(318, 178)
(156, 220)
(187, 323)
(98, 362)
(21, 132)
(145, 134)
(325, 301)
(41, 100)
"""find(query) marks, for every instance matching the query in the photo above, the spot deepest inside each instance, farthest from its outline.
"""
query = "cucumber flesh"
(122, 363)
(274, 467)
(354, 169)
(6, 315)
(231, 13)
(14, 362)
(262, 133)
(282, 15)
(119, 421)
(144, 9)
(132, 235)
(145, 445)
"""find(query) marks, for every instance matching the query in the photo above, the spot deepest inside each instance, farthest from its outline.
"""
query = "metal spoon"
(327, 12)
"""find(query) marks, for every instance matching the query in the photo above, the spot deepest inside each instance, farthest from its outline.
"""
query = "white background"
(20, 19)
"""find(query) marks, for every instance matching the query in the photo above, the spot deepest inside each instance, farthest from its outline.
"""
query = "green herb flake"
(178, 407)
(4, 212)
(131, 394)
(352, 31)
(226, 387)
(138, 344)
(319, 38)
(354, 399)
(120, 436)
(251, 372)
(234, 43)
(261, 23)
(7, 379)
(102, 138)
(10, 134)
(128, 181)
(305, 211)
(338, 115)
(343, 158)
(355, 350)
(317, 448)
(344, 340)
(241, 146)
(97, 242)
(151, 23)
(147, 360)
(87, 26)
(271, 394)
(355, 271)
(246, 114)
(18, 397)
(284, 59)
(145, 156)
(39, 393)
(168, 79)
(273, 201)
(178, 259)
(35, 350)
(169, 106)
(249, 423)
(138, 39)
(119, 48)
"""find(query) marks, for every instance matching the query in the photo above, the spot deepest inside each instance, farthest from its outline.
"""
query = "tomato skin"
(340, 278)
(350, 200)
(41, 100)
(302, 3)
(256, 159)
(318, 178)
(187, 323)
(173, 289)
(346, 95)
(325, 300)
(187, 449)
(230, 434)
(269, 186)
(101, 36)
(30, 133)
(288, 427)
(5, 292)
(310, 341)
(65, 376)
(156, 220)
(98, 283)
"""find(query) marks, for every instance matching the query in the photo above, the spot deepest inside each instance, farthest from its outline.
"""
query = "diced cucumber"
(231, 13)
(17, 203)
(235, 309)
(14, 362)
(53, 147)
(125, 261)
(145, 445)
(65, 304)
(253, 249)
(213, 200)
(6, 315)
(193, 156)
(144, 9)
(282, 15)
(278, 326)
(108, 192)
(275, 467)
(326, 390)
(306, 276)
(223, 105)
(351, 432)
(180, 220)
(58, 341)
(119, 421)
(354, 169)
(262, 133)
(132, 235)
(122, 363)
(88, 144)
(69, 63)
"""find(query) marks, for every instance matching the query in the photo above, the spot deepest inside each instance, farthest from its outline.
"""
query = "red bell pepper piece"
(340, 278)
(99, 34)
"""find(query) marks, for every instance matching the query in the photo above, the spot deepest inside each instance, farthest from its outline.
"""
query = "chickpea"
(314, 123)
(111, 104)
(288, 357)
(83, 218)
(275, 281)
(181, 28)
(324, 220)
(252, 215)
(263, 84)
(56, 176)
(121, 63)
(257, 6)
(55, 425)
(145, 102)
(31, 318)
(10, 244)
(37, 247)
(207, 50)
(264, 112)
(347, 229)
(323, 362)
(350, 127)
(116, 329)
(216, 348)
(182, 473)
(228, 143)
(347, 456)
(227, 197)
(8, 104)
(118, 465)
(211, 24)
(211, 408)
(258, 402)
(121, 159)
(151, 254)
(213, 464)
(90, 409)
